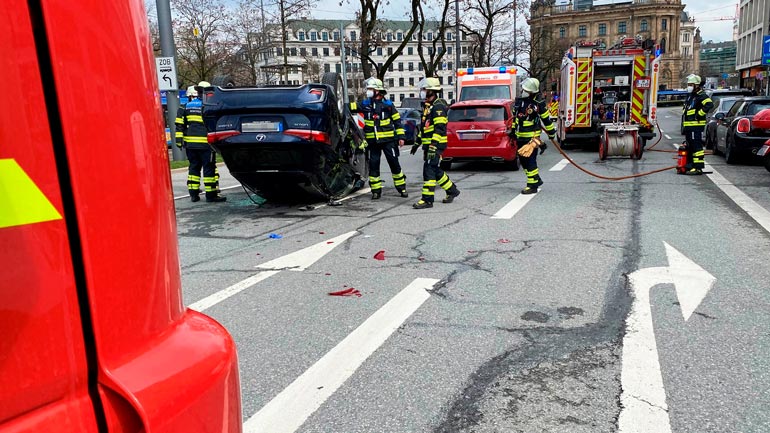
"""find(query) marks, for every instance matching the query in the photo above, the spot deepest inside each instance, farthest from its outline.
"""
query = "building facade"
(606, 23)
(718, 64)
(689, 44)
(753, 24)
(314, 47)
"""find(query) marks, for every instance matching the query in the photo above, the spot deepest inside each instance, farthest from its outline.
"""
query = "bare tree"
(313, 69)
(482, 18)
(289, 11)
(541, 53)
(437, 43)
(246, 26)
(202, 48)
(152, 22)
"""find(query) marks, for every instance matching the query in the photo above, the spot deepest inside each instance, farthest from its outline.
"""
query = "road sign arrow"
(643, 396)
(166, 78)
(296, 261)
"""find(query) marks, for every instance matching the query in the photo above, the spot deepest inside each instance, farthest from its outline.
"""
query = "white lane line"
(221, 189)
(755, 211)
(661, 130)
(667, 136)
(296, 261)
(514, 206)
(294, 405)
(560, 165)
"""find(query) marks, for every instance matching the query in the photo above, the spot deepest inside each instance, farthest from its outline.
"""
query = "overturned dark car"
(287, 144)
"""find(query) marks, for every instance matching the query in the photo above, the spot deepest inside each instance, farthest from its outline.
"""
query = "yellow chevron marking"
(23, 202)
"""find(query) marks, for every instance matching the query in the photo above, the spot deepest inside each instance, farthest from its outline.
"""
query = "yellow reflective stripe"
(550, 128)
(179, 134)
(23, 202)
(193, 177)
(384, 122)
(440, 120)
(196, 139)
(369, 122)
(353, 106)
(195, 118)
(179, 120)
(428, 129)
(396, 116)
(439, 138)
(370, 135)
(545, 115)
(400, 131)
(527, 123)
(527, 134)
(385, 134)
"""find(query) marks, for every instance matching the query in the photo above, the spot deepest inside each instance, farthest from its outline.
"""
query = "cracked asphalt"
(524, 331)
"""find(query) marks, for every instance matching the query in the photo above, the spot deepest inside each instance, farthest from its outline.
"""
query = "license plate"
(261, 126)
(472, 136)
(764, 150)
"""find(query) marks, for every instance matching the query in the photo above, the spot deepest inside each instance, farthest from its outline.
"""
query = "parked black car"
(287, 143)
(721, 105)
(736, 136)
(715, 95)
(411, 120)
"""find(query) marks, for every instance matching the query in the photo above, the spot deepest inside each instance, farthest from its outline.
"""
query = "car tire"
(731, 156)
(334, 80)
(445, 165)
(767, 162)
(512, 165)
(223, 81)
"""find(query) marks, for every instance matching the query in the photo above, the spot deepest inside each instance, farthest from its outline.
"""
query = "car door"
(723, 126)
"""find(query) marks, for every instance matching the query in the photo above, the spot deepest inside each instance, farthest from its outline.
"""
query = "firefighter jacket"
(433, 126)
(531, 115)
(190, 129)
(695, 109)
(382, 121)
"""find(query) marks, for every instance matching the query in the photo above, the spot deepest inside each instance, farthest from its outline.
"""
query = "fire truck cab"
(94, 335)
(601, 87)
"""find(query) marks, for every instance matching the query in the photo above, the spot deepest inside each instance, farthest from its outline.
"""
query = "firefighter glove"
(363, 145)
(431, 152)
(414, 149)
(543, 147)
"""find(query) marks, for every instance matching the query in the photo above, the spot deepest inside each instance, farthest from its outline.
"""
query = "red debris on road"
(380, 255)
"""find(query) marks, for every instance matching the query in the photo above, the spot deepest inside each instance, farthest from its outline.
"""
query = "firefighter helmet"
(693, 79)
(204, 84)
(191, 92)
(531, 85)
(374, 83)
(429, 83)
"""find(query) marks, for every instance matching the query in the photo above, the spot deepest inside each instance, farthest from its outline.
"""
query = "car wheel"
(512, 165)
(767, 162)
(445, 165)
(334, 80)
(716, 147)
(731, 156)
(223, 81)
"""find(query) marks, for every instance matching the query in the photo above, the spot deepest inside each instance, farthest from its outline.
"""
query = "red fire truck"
(94, 336)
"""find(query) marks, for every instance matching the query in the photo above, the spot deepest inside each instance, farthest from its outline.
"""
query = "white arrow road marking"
(643, 395)
(560, 165)
(296, 261)
(293, 406)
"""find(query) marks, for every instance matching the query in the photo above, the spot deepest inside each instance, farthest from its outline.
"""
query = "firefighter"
(531, 115)
(192, 135)
(383, 130)
(695, 109)
(434, 141)
(212, 162)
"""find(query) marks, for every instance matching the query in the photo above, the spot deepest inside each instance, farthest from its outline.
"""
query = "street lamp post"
(167, 50)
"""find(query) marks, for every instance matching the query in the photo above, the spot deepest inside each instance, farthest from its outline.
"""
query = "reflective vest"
(382, 121)
(434, 122)
(190, 129)
(695, 109)
(530, 114)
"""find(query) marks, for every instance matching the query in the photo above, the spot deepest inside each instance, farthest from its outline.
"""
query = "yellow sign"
(21, 200)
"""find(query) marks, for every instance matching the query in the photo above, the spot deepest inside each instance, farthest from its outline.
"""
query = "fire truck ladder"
(584, 92)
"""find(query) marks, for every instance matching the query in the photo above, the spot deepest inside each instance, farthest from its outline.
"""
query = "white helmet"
(191, 92)
(374, 83)
(429, 83)
(531, 85)
(693, 79)
(204, 84)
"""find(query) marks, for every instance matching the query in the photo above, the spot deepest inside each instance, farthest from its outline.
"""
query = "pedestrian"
(384, 135)
(696, 106)
(434, 142)
(212, 162)
(192, 135)
(530, 117)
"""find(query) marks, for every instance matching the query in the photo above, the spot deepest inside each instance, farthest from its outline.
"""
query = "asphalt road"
(475, 322)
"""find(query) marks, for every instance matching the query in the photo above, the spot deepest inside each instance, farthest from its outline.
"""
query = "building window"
(451, 80)
(410, 51)
(602, 29)
(411, 81)
(663, 45)
(338, 68)
(621, 27)
(449, 65)
(313, 36)
(410, 66)
(419, 66)
(686, 51)
(390, 51)
(400, 66)
(336, 36)
(582, 32)
(326, 52)
(441, 80)
(390, 82)
(411, 95)
(465, 50)
(430, 36)
(430, 51)
(352, 35)
(643, 26)
(293, 52)
(401, 82)
(390, 68)
(399, 36)
(389, 37)
(400, 96)
(464, 36)
(664, 24)
(562, 35)
(327, 67)
(379, 51)
(303, 51)
(448, 36)
(325, 36)
(451, 95)
(301, 36)
(449, 50)
(686, 36)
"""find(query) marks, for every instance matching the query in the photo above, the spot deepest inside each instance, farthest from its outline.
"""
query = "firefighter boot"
(213, 197)
(451, 194)
(694, 172)
(376, 194)
(195, 196)
(422, 204)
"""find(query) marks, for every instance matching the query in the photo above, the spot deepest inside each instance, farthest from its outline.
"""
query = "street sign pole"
(167, 50)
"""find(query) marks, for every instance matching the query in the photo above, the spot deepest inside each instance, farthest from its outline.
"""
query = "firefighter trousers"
(695, 153)
(529, 164)
(199, 159)
(433, 175)
(390, 150)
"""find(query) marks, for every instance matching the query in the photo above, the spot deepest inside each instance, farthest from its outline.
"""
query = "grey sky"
(704, 12)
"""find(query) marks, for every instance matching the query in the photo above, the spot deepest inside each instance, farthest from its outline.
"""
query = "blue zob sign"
(766, 49)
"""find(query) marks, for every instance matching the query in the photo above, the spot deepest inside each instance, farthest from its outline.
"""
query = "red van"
(94, 336)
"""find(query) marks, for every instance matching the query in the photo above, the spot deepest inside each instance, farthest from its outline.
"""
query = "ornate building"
(606, 22)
